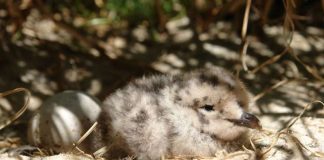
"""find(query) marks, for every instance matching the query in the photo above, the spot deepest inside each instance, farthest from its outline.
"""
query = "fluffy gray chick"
(197, 113)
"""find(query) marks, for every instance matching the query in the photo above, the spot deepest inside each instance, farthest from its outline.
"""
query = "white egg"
(62, 120)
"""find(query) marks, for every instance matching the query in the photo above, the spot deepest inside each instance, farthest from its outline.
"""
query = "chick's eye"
(208, 107)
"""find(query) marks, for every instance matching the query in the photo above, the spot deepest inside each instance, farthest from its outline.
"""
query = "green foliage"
(134, 10)
(139, 10)
(115, 11)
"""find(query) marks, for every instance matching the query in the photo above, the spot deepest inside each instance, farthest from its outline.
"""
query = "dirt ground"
(47, 62)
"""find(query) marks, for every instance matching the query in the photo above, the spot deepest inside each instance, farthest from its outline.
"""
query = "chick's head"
(220, 101)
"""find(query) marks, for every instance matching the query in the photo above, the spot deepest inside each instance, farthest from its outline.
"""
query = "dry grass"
(286, 133)
(21, 111)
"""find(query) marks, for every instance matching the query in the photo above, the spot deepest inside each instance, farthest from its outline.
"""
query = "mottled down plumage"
(196, 113)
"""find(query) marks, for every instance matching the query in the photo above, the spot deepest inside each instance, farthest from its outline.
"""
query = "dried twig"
(289, 28)
(84, 136)
(245, 42)
(246, 18)
(278, 84)
(266, 11)
(100, 152)
(22, 109)
(312, 70)
(288, 25)
(271, 60)
(243, 55)
(286, 131)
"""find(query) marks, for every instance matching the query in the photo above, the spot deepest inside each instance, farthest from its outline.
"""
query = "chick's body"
(196, 113)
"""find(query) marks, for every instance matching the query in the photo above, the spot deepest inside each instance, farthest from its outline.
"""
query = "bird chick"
(196, 113)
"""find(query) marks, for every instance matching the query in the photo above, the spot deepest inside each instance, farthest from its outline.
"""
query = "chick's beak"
(247, 120)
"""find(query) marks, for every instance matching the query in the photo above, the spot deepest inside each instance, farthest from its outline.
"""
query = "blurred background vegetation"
(97, 46)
